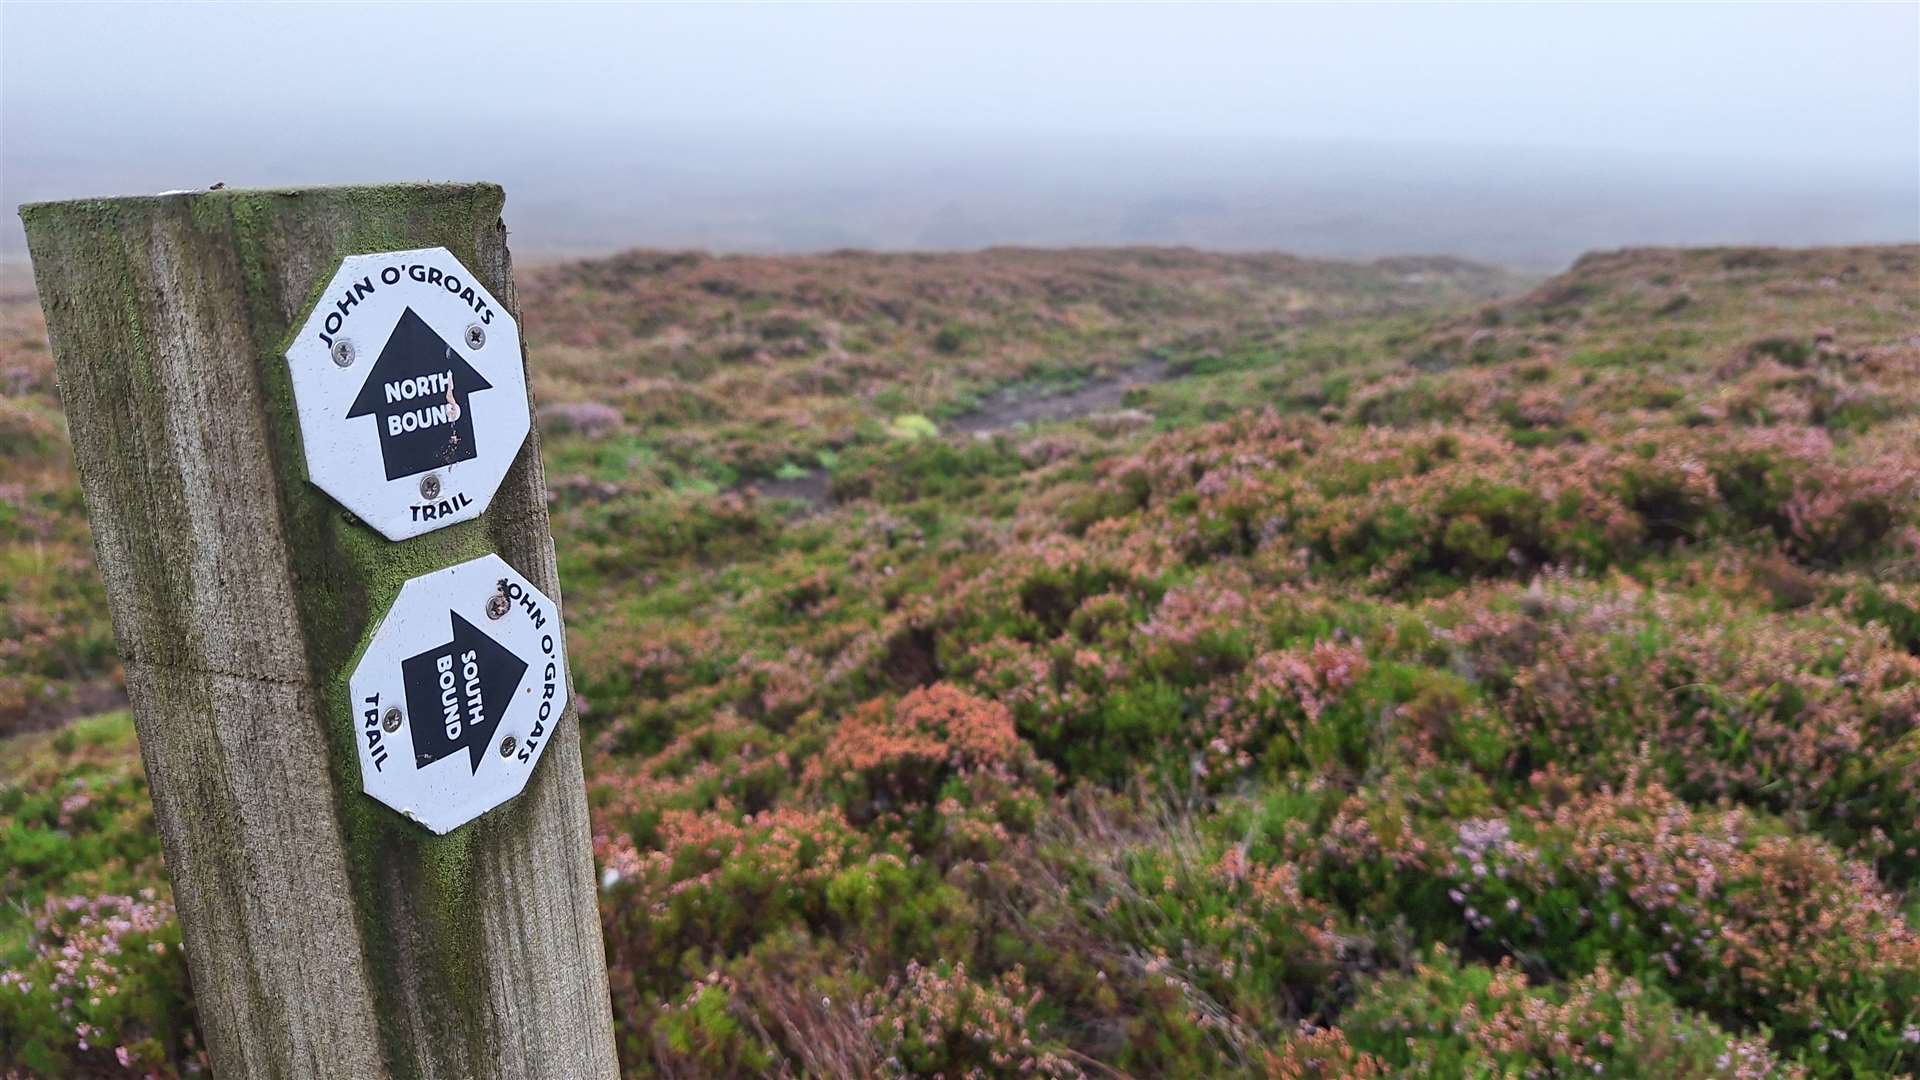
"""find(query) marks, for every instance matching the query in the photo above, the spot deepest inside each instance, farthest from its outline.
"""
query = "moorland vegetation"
(1155, 663)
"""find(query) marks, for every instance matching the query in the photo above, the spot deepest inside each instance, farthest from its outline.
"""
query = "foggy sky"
(1521, 133)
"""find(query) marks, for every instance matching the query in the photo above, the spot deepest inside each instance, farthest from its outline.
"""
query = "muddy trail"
(1003, 410)
(1006, 409)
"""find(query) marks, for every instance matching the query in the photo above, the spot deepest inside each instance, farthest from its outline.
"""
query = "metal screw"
(476, 336)
(343, 352)
(497, 606)
(429, 486)
(506, 746)
(391, 721)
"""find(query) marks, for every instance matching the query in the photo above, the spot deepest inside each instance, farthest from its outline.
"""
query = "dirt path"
(815, 489)
(88, 698)
(1003, 410)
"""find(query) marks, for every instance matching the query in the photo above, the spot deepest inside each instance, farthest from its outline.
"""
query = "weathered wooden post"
(327, 934)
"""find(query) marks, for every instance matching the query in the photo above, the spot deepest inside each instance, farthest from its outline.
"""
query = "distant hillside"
(728, 351)
(696, 372)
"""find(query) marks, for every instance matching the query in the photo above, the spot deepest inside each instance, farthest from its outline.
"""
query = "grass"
(1427, 681)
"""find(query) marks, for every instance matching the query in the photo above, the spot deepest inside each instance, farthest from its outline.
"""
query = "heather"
(1167, 664)
(1450, 1019)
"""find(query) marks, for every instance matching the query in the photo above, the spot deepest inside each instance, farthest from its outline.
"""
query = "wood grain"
(326, 936)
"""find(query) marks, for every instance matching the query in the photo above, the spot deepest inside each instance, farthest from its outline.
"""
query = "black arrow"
(457, 693)
(417, 394)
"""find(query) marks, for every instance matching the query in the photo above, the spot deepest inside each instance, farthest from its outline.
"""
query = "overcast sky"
(577, 104)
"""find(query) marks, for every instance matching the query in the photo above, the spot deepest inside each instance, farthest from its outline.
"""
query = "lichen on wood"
(326, 935)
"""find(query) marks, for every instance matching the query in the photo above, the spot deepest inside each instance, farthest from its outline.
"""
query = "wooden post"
(326, 935)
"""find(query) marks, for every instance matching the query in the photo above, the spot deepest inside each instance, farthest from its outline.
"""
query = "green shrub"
(102, 991)
(1447, 1019)
(954, 338)
(936, 1021)
(1771, 932)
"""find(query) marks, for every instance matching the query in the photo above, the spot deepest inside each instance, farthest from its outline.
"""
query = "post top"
(409, 191)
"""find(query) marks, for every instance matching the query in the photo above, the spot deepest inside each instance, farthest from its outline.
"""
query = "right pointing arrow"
(457, 693)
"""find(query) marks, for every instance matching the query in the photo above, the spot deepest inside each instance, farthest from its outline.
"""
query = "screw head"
(391, 722)
(506, 746)
(497, 606)
(343, 353)
(476, 336)
(430, 486)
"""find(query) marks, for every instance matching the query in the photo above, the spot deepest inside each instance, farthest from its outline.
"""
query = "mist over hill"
(1516, 134)
(582, 192)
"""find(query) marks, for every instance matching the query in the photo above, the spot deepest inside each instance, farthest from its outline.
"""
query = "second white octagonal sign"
(411, 391)
(458, 693)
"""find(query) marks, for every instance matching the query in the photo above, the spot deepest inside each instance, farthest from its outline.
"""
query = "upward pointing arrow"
(417, 392)
(463, 710)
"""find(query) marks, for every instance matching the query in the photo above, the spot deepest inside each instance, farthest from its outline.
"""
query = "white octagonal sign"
(458, 692)
(411, 392)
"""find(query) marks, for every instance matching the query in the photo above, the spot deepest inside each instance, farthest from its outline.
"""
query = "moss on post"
(326, 934)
